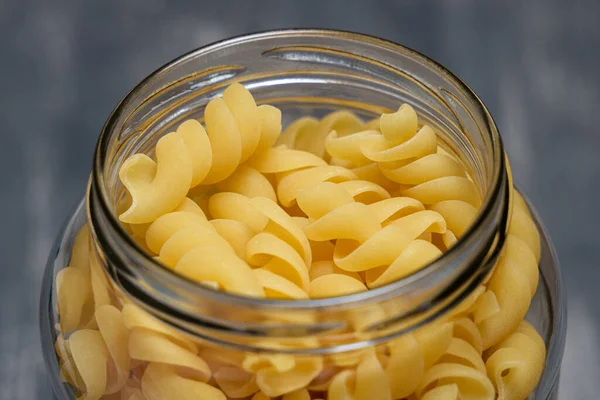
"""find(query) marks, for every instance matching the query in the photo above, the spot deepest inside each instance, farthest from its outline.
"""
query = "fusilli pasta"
(329, 208)
(513, 282)
(235, 129)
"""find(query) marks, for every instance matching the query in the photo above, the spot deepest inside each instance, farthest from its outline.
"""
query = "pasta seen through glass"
(328, 208)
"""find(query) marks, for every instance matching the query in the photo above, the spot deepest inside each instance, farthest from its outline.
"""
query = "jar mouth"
(497, 191)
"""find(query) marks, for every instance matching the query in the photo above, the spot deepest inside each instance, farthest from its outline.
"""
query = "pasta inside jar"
(232, 251)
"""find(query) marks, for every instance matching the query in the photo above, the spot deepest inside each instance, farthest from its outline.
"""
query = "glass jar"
(303, 72)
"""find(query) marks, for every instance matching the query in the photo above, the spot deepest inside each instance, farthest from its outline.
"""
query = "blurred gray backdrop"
(65, 64)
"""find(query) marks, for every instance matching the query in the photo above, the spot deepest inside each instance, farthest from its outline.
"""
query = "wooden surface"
(66, 64)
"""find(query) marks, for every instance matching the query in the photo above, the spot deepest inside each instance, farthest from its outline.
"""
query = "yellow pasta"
(101, 290)
(368, 381)
(362, 243)
(281, 252)
(74, 287)
(301, 394)
(192, 155)
(329, 208)
(134, 317)
(274, 381)
(161, 382)
(460, 374)
(409, 156)
(236, 382)
(139, 230)
(321, 268)
(116, 337)
(156, 187)
(68, 370)
(333, 285)
(186, 242)
(91, 358)
(513, 282)
(515, 365)
(308, 134)
(248, 182)
(321, 251)
(372, 173)
(296, 170)
(412, 354)
(236, 207)
(151, 346)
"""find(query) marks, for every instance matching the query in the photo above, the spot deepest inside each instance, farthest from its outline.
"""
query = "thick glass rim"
(391, 290)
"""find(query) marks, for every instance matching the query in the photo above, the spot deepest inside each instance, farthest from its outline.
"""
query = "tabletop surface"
(65, 65)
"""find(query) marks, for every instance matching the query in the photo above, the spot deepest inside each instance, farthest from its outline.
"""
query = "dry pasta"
(187, 242)
(280, 252)
(412, 354)
(516, 364)
(517, 269)
(308, 134)
(367, 381)
(328, 208)
(192, 155)
(459, 373)
(409, 156)
(386, 253)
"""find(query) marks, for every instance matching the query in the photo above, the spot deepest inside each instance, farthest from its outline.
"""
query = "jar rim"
(498, 182)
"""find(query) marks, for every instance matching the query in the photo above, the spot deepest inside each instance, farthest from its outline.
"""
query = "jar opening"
(301, 72)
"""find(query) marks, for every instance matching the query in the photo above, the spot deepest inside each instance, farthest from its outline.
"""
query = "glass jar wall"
(190, 333)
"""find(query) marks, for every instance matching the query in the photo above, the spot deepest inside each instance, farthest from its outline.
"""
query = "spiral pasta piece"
(236, 219)
(466, 329)
(308, 133)
(523, 226)
(412, 354)
(405, 366)
(153, 347)
(162, 382)
(361, 242)
(96, 361)
(409, 156)
(139, 230)
(321, 251)
(135, 318)
(280, 252)
(74, 287)
(235, 129)
(368, 381)
(91, 358)
(186, 241)
(460, 374)
(458, 371)
(296, 170)
(372, 173)
(156, 187)
(115, 335)
(235, 382)
(280, 375)
(513, 282)
(364, 233)
(321, 268)
(68, 371)
(248, 182)
(101, 290)
(334, 285)
(516, 364)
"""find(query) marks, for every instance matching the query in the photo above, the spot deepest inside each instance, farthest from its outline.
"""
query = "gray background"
(65, 65)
